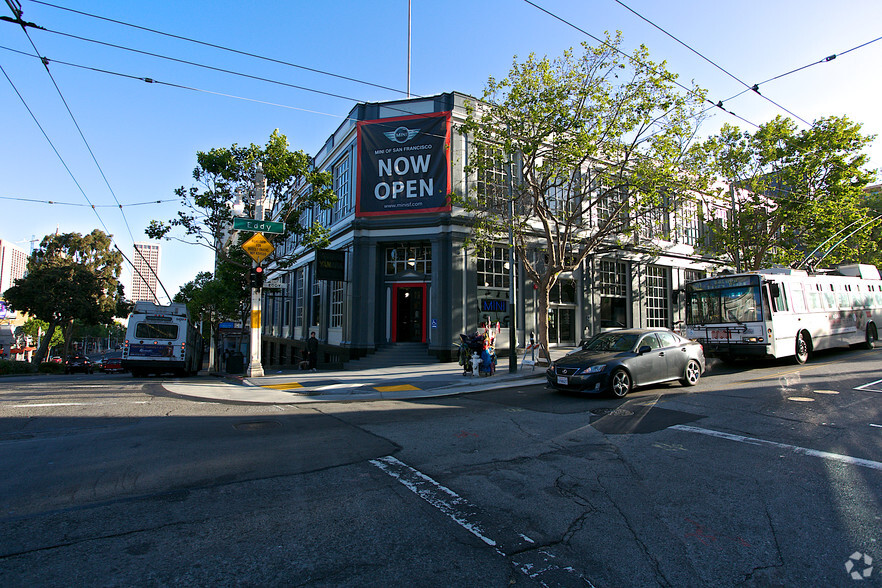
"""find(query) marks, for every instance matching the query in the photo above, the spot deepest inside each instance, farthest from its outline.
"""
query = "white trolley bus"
(162, 339)
(782, 312)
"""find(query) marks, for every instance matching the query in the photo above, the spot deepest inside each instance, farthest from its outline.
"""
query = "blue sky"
(145, 136)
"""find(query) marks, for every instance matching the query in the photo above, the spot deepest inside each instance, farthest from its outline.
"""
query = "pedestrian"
(226, 358)
(312, 350)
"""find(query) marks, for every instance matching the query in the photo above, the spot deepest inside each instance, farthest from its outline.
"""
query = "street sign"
(250, 224)
(257, 247)
(273, 284)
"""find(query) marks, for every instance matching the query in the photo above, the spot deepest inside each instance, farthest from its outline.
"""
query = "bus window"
(830, 298)
(797, 297)
(779, 298)
(156, 331)
(814, 298)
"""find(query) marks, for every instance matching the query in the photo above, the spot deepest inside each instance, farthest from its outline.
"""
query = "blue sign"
(434, 323)
(492, 305)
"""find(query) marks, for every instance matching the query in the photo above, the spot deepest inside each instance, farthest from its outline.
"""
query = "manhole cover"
(257, 425)
(616, 412)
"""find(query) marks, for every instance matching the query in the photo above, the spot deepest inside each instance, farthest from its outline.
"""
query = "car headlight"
(594, 369)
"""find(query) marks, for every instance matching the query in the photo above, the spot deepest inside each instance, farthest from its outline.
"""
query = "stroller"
(469, 345)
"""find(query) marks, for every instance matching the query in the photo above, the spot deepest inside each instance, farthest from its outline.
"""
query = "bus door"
(784, 323)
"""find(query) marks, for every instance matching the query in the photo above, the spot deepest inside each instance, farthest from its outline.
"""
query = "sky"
(96, 134)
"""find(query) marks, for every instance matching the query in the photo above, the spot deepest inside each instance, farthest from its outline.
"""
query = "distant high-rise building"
(146, 269)
(13, 262)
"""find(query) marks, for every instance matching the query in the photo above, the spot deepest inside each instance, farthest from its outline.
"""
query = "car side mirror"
(644, 349)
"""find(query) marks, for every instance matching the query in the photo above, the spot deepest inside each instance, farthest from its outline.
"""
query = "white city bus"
(162, 339)
(782, 312)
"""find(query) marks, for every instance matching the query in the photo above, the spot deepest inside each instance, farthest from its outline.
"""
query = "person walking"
(312, 350)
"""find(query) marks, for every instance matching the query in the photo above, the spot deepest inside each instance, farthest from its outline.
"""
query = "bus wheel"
(802, 348)
(872, 336)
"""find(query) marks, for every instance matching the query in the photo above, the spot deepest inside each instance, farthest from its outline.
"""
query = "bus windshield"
(725, 305)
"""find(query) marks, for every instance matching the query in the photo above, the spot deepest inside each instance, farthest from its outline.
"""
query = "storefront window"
(409, 258)
(493, 268)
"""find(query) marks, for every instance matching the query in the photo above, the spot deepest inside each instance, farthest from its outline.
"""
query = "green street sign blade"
(250, 224)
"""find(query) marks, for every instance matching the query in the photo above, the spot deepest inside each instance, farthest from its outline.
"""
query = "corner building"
(407, 275)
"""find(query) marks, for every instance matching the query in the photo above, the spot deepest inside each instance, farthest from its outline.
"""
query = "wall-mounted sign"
(330, 265)
(404, 165)
(493, 305)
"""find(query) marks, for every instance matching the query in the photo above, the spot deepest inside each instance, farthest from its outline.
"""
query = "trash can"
(236, 363)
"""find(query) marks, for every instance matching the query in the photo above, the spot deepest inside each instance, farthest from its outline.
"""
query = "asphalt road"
(762, 475)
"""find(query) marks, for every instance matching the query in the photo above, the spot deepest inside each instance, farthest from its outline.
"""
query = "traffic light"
(257, 275)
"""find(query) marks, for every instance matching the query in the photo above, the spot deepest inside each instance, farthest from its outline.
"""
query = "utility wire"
(24, 26)
(223, 48)
(79, 204)
(755, 87)
(718, 104)
(194, 89)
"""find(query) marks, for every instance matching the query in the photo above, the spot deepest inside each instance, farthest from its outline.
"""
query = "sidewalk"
(391, 383)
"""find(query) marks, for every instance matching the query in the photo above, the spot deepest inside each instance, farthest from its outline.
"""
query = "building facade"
(145, 261)
(408, 273)
(13, 264)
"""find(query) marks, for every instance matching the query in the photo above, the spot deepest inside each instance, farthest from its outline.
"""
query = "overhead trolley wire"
(229, 49)
(755, 87)
(718, 104)
(24, 26)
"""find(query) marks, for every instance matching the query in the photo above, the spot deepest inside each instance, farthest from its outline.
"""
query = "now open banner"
(403, 165)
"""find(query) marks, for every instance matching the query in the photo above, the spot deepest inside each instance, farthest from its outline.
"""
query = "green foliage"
(9, 367)
(70, 276)
(224, 174)
(793, 190)
(597, 143)
(36, 328)
(48, 367)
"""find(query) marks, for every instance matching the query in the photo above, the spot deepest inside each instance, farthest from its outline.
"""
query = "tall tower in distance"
(13, 263)
(146, 267)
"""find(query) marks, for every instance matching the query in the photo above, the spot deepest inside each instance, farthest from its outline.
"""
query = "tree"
(227, 180)
(791, 191)
(37, 329)
(602, 141)
(71, 276)
(214, 299)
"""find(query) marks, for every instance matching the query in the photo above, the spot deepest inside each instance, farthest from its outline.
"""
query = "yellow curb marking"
(400, 388)
(800, 399)
(283, 386)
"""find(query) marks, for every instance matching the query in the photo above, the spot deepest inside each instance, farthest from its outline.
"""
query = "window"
(316, 300)
(613, 202)
(493, 268)
(342, 188)
(299, 293)
(156, 331)
(412, 258)
(491, 182)
(612, 282)
(656, 296)
(563, 292)
(337, 304)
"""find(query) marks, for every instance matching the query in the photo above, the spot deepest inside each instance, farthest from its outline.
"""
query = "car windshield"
(612, 342)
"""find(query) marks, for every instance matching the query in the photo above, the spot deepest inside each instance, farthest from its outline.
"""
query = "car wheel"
(692, 373)
(620, 383)
(802, 348)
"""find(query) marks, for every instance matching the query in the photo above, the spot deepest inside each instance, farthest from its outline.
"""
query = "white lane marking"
(873, 425)
(47, 404)
(465, 515)
(868, 386)
(444, 499)
(866, 463)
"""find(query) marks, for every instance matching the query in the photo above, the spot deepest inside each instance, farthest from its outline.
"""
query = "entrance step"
(393, 355)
